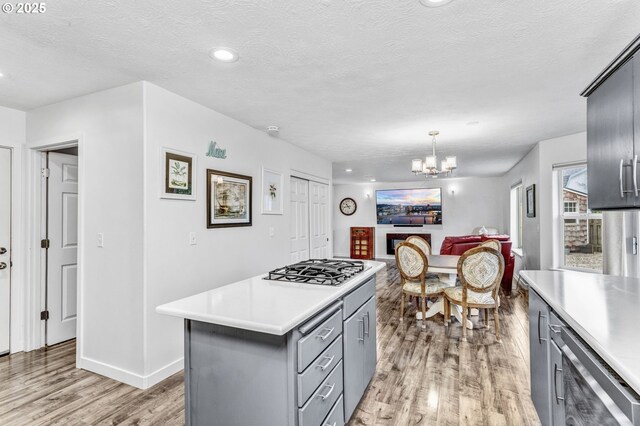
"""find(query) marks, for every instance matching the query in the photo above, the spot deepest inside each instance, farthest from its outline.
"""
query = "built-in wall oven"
(585, 390)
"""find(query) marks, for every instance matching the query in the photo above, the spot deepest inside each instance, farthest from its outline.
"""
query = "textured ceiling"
(360, 82)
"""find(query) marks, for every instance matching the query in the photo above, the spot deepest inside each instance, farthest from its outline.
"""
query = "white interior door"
(299, 219)
(319, 219)
(5, 248)
(62, 263)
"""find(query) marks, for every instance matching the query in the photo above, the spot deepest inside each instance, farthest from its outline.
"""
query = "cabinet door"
(539, 356)
(557, 387)
(370, 350)
(610, 141)
(353, 361)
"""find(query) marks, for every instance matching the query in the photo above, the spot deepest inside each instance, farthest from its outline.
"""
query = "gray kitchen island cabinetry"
(284, 371)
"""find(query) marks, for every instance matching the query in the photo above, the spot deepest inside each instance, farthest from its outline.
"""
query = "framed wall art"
(228, 199)
(272, 191)
(531, 201)
(178, 178)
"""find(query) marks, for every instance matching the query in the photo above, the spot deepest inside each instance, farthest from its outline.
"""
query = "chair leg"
(424, 312)
(464, 324)
(496, 317)
(402, 296)
(447, 311)
(486, 318)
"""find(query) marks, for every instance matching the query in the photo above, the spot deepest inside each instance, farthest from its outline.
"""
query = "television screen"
(409, 206)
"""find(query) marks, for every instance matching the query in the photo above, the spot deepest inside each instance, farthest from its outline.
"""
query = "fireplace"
(394, 239)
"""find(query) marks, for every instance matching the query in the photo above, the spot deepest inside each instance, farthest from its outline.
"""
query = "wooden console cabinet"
(363, 243)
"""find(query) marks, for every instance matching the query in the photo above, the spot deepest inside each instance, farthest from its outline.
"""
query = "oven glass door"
(585, 402)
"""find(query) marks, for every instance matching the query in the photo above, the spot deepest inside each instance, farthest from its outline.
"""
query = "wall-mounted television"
(409, 206)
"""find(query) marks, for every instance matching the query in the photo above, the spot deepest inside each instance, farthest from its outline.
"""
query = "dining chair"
(480, 271)
(494, 244)
(421, 243)
(413, 264)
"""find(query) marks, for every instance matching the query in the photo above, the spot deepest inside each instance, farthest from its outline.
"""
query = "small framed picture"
(179, 180)
(228, 199)
(531, 201)
(272, 191)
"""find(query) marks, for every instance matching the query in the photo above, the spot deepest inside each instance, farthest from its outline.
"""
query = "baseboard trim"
(128, 377)
(163, 373)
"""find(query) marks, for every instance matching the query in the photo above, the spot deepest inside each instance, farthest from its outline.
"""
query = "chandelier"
(429, 167)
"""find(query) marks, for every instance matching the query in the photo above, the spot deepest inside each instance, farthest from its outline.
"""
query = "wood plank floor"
(423, 377)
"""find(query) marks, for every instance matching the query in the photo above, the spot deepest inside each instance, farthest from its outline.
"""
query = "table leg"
(457, 312)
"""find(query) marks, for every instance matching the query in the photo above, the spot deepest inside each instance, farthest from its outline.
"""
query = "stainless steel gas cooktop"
(318, 271)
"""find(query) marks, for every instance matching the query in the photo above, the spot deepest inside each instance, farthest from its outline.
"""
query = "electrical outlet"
(100, 239)
(192, 238)
(272, 231)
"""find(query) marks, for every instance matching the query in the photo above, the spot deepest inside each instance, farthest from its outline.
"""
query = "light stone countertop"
(602, 309)
(265, 306)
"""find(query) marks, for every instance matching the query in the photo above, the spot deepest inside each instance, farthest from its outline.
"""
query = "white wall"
(173, 268)
(110, 124)
(12, 135)
(536, 168)
(466, 203)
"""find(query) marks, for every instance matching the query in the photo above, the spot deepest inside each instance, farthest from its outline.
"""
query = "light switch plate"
(100, 239)
(192, 239)
(272, 231)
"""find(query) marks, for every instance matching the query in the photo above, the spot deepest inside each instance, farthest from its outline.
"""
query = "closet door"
(299, 220)
(319, 219)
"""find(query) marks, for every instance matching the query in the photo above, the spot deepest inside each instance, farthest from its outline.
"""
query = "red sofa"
(458, 245)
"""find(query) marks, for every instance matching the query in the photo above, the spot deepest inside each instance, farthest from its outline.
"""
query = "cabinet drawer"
(312, 345)
(322, 400)
(358, 297)
(336, 415)
(319, 369)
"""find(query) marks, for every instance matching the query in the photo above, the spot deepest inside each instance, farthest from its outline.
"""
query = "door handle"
(621, 185)
(361, 328)
(540, 338)
(634, 167)
(365, 330)
(556, 369)
(3, 265)
(3, 250)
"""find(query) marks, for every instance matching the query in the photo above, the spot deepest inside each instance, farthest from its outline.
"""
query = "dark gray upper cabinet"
(613, 133)
(610, 150)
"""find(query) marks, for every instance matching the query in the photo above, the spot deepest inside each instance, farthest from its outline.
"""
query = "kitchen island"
(278, 353)
(584, 344)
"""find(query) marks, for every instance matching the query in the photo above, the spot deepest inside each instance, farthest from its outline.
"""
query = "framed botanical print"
(272, 191)
(228, 199)
(531, 201)
(179, 181)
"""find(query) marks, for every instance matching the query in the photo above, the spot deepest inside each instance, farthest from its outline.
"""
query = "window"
(516, 217)
(579, 228)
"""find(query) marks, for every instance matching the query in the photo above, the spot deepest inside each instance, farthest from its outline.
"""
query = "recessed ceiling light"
(434, 3)
(348, 170)
(1, 75)
(373, 180)
(223, 54)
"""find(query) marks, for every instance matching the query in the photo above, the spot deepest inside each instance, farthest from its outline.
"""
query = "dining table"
(446, 266)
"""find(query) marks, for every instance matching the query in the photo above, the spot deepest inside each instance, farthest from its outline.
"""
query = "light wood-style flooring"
(424, 377)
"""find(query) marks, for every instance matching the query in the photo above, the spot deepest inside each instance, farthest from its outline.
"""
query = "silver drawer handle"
(325, 396)
(327, 424)
(620, 177)
(635, 175)
(327, 333)
(328, 363)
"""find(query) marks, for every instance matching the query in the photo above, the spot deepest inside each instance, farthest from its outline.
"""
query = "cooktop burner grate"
(318, 271)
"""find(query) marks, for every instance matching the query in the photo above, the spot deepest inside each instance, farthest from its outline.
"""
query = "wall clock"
(348, 206)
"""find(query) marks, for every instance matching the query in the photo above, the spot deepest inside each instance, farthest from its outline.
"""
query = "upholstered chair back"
(480, 269)
(421, 243)
(411, 261)
(494, 244)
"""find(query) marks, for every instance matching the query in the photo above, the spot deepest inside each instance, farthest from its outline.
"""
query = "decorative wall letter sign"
(215, 151)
